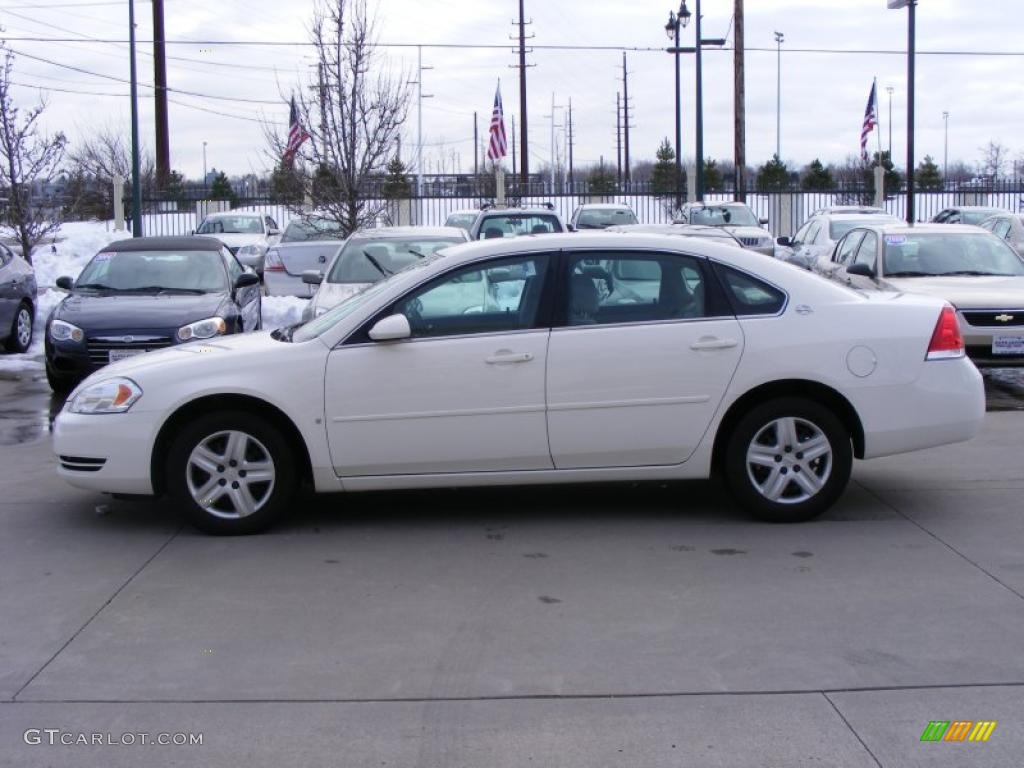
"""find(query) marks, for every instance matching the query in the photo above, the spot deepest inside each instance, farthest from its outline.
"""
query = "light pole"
(675, 23)
(889, 89)
(204, 165)
(911, 6)
(779, 39)
(945, 149)
(136, 182)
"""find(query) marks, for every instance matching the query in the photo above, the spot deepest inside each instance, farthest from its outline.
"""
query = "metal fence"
(784, 210)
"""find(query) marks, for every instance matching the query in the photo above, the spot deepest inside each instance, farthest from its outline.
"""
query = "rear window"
(515, 224)
(602, 218)
(749, 296)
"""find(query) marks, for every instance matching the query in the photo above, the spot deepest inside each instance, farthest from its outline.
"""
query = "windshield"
(926, 255)
(300, 230)
(722, 216)
(602, 218)
(155, 271)
(976, 217)
(461, 220)
(366, 260)
(837, 229)
(231, 225)
(515, 224)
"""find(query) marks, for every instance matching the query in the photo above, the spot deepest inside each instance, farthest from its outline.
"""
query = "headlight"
(61, 331)
(204, 329)
(110, 396)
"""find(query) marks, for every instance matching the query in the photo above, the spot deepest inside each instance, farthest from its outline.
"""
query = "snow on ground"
(79, 242)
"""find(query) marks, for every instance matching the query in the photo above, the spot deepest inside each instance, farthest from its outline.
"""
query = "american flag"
(498, 147)
(870, 120)
(296, 135)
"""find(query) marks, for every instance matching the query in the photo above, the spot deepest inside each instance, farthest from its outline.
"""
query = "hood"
(240, 239)
(330, 295)
(966, 292)
(136, 311)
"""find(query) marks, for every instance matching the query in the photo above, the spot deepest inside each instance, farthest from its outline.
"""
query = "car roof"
(605, 206)
(855, 216)
(974, 208)
(225, 214)
(464, 212)
(528, 211)
(674, 229)
(192, 243)
(927, 229)
(382, 233)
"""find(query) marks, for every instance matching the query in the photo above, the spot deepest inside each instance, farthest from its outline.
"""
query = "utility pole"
(420, 96)
(618, 137)
(700, 112)
(911, 56)
(571, 139)
(476, 147)
(524, 147)
(513, 143)
(136, 182)
(625, 120)
(739, 104)
(163, 145)
(552, 142)
(779, 38)
(945, 149)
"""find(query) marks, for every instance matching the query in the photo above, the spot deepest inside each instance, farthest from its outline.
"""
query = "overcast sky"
(823, 94)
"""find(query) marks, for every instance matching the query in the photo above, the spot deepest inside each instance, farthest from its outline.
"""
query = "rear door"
(641, 358)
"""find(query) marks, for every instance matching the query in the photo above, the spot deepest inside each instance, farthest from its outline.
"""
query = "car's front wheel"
(231, 473)
(788, 460)
(20, 338)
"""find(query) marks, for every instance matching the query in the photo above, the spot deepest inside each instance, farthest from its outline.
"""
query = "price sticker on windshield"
(895, 239)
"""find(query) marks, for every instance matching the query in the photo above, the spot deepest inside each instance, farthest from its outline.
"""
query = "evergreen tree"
(773, 176)
(221, 189)
(664, 176)
(287, 184)
(396, 185)
(601, 181)
(713, 181)
(927, 175)
(817, 177)
(893, 178)
(175, 188)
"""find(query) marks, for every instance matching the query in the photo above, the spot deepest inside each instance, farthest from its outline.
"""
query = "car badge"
(1004, 318)
(128, 339)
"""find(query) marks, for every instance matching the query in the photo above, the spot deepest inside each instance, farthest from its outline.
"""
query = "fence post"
(691, 183)
(118, 204)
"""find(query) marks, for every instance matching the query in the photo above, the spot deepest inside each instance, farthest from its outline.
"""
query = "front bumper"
(979, 340)
(72, 361)
(110, 453)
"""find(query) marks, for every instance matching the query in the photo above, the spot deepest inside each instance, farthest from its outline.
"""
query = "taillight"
(946, 340)
(273, 261)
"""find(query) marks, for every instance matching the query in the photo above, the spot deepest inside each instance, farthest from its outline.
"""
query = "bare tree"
(28, 158)
(94, 162)
(994, 157)
(353, 114)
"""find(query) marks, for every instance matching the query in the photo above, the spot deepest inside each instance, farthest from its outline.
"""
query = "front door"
(464, 394)
(641, 362)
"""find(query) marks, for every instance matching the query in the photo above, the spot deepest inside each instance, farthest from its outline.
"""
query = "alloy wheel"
(24, 327)
(789, 460)
(230, 474)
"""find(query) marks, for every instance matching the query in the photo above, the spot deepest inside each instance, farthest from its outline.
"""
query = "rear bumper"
(284, 284)
(945, 405)
(120, 445)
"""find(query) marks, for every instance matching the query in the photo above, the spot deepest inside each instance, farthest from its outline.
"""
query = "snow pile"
(279, 311)
(79, 242)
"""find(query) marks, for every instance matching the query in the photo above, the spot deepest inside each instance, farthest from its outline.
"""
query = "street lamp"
(204, 165)
(911, 6)
(136, 181)
(675, 23)
(779, 39)
(945, 150)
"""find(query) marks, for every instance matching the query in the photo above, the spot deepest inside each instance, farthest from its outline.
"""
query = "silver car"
(975, 271)
(371, 255)
(247, 235)
(1010, 227)
(308, 243)
(735, 218)
(818, 236)
(17, 301)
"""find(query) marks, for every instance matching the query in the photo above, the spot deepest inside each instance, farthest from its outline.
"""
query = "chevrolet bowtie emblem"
(1004, 318)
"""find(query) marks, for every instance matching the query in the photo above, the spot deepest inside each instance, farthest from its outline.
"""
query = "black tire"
(14, 343)
(59, 385)
(220, 516)
(794, 503)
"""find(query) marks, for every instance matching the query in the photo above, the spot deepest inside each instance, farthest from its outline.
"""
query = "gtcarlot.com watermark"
(56, 737)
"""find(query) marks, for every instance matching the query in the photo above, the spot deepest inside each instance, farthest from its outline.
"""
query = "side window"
(234, 268)
(503, 295)
(811, 235)
(953, 218)
(607, 288)
(801, 234)
(942, 216)
(847, 246)
(748, 295)
(1001, 228)
(868, 251)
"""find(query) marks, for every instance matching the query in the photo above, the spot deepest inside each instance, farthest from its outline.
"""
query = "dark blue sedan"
(146, 293)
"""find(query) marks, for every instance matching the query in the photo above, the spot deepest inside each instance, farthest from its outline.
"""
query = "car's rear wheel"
(20, 338)
(231, 473)
(788, 460)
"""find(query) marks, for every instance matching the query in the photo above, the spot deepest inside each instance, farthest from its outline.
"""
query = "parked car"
(965, 214)
(463, 219)
(828, 209)
(976, 272)
(716, 234)
(739, 365)
(601, 216)
(308, 242)
(143, 294)
(493, 222)
(817, 238)
(1009, 226)
(369, 256)
(17, 301)
(247, 235)
(736, 218)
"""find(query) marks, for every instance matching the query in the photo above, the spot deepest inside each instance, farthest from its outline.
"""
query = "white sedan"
(564, 358)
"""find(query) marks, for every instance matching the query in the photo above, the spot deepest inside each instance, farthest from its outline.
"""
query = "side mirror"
(763, 221)
(65, 283)
(786, 242)
(312, 277)
(391, 328)
(246, 280)
(861, 270)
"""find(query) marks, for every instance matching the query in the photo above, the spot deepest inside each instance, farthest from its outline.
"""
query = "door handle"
(714, 344)
(500, 358)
